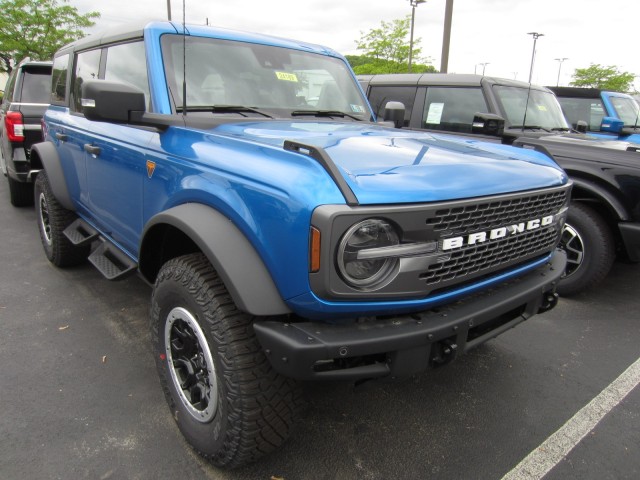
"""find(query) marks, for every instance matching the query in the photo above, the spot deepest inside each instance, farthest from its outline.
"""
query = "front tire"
(228, 402)
(53, 218)
(590, 248)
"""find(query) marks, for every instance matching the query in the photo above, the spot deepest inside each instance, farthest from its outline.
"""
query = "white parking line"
(541, 460)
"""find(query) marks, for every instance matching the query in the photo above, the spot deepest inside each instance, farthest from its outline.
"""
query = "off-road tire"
(53, 218)
(20, 193)
(590, 248)
(255, 408)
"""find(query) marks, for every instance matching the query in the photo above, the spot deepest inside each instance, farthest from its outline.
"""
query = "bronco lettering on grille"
(496, 233)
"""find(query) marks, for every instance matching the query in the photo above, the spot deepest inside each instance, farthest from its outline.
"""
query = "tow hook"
(550, 300)
(443, 352)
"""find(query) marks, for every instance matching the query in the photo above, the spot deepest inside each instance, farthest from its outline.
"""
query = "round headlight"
(367, 274)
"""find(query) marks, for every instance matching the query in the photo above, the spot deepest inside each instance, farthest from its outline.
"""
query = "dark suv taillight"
(14, 125)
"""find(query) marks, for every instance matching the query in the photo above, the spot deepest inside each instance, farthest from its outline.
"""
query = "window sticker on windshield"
(435, 113)
(542, 108)
(357, 108)
(287, 77)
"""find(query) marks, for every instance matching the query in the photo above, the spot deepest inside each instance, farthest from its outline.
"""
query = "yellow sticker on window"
(542, 108)
(287, 77)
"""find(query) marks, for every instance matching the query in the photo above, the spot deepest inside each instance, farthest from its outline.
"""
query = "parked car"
(286, 235)
(26, 98)
(605, 214)
(608, 115)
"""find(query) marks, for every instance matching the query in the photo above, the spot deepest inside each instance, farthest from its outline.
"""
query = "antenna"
(184, 61)
(526, 107)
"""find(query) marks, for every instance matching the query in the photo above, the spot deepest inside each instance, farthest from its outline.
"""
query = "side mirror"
(104, 101)
(488, 124)
(394, 112)
(611, 124)
(582, 126)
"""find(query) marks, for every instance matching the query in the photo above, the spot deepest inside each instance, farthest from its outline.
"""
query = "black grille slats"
(472, 260)
(475, 258)
(487, 215)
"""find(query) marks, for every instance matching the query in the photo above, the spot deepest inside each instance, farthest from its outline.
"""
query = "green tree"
(364, 65)
(37, 28)
(604, 78)
(387, 49)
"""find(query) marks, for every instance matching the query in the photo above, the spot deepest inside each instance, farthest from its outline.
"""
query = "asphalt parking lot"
(79, 396)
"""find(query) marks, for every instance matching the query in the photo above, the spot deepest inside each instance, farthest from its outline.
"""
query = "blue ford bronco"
(287, 236)
(609, 115)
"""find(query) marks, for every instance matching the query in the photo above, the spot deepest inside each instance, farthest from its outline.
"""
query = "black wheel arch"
(193, 227)
(606, 202)
(46, 155)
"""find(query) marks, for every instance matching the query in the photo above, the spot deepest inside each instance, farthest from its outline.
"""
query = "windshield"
(543, 109)
(279, 80)
(627, 109)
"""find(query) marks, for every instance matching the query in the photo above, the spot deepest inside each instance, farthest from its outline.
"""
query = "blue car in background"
(610, 115)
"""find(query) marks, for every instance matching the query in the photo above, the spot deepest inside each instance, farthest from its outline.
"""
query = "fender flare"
(50, 159)
(602, 195)
(231, 254)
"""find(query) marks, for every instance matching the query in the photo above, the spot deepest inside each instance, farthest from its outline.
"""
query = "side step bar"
(80, 233)
(110, 261)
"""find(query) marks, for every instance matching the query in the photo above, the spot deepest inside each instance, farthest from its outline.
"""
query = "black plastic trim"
(323, 158)
(294, 349)
(48, 155)
(229, 251)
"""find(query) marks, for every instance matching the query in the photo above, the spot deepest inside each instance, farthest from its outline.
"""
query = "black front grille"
(487, 256)
(487, 215)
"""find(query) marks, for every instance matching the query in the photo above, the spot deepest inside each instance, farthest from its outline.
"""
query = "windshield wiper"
(529, 127)
(560, 129)
(323, 113)
(226, 109)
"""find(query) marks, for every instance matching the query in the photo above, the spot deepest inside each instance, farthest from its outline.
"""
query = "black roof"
(576, 92)
(446, 79)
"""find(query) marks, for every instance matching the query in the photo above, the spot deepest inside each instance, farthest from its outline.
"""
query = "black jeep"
(604, 218)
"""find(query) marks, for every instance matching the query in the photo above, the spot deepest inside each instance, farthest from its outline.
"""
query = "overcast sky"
(493, 31)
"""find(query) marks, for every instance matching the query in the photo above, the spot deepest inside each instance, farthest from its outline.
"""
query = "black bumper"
(407, 344)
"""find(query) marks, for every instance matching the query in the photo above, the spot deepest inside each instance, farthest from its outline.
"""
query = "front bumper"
(398, 346)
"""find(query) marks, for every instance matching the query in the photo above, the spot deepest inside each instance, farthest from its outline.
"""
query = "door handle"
(92, 149)
(61, 136)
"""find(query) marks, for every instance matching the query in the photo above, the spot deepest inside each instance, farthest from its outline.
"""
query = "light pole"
(535, 35)
(446, 36)
(414, 4)
(169, 10)
(560, 60)
(484, 66)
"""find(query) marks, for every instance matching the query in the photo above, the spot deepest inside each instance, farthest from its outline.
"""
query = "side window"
(590, 110)
(452, 108)
(8, 89)
(59, 80)
(86, 68)
(379, 96)
(126, 63)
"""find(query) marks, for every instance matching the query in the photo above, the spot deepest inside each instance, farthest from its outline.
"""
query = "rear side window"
(86, 68)
(36, 83)
(379, 96)
(59, 80)
(452, 108)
